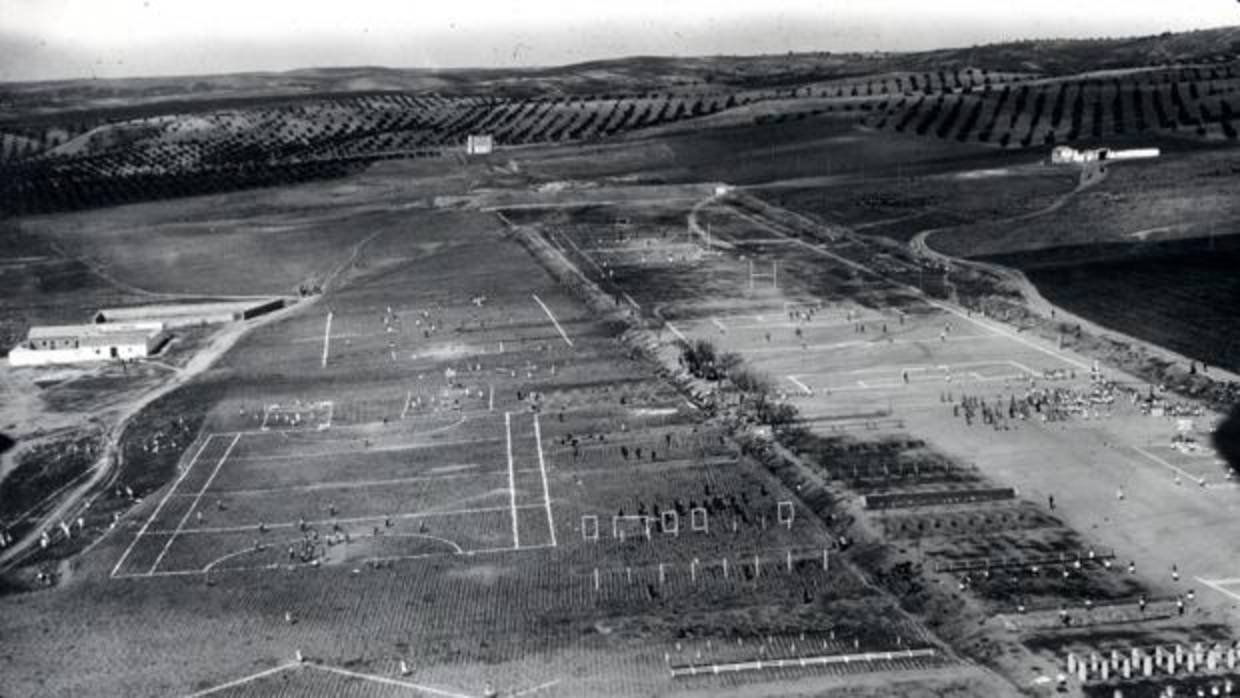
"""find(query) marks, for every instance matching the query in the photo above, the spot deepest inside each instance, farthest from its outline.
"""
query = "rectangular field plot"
(641, 513)
(262, 499)
(408, 537)
(249, 471)
(940, 376)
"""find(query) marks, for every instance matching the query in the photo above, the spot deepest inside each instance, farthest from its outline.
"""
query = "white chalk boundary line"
(535, 689)
(194, 504)
(373, 449)
(1192, 477)
(353, 520)
(390, 682)
(542, 468)
(457, 474)
(147, 524)
(244, 680)
(327, 337)
(994, 328)
(864, 343)
(512, 482)
(333, 670)
(797, 382)
(1219, 586)
(547, 310)
(278, 566)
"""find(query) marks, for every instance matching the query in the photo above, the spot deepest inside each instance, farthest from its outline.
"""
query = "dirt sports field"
(454, 466)
(670, 396)
(468, 468)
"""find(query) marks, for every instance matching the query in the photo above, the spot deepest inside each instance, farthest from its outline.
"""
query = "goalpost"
(589, 528)
(698, 520)
(624, 527)
(785, 512)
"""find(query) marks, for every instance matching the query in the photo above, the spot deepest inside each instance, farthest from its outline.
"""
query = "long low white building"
(188, 314)
(71, 344)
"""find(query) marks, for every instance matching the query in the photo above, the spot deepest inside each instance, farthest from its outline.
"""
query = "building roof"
(115, 332)
(181, 309)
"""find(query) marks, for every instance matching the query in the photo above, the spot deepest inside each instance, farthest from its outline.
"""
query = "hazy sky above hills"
(48, 39)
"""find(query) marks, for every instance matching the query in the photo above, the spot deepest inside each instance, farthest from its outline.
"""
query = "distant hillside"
(21, 101)
(86, 143)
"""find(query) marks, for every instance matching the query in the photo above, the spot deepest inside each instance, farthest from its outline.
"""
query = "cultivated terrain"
(795, 375)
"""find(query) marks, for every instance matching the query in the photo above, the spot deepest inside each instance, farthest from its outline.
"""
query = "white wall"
(21, 356)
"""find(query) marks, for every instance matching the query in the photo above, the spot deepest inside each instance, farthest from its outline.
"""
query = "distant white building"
(1064, 155)
(479, 144)
(71, 344)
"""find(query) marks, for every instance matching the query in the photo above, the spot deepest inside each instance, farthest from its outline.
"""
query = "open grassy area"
(1182, 283)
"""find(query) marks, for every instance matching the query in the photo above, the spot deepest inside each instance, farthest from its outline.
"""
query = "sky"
(54, 39)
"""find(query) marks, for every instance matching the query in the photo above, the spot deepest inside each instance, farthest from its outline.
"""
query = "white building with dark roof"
(71, 344)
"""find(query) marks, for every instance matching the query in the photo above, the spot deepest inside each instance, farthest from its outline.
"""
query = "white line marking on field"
(534, 689)
(327, 337)
(865, 343)
(389, 682)
(542, 468)
(1228, 581)
(1171, 466)
(354, 520)
(147, 524)
(629, 298)
(276, 566)
(718, 323)
(797, 382)
(340, 335)
(512, 483)
(1217, 585)
(353, 484)
(491, 397)
(676, 332)
(992, 327)
(1021, 367)
(547, 310)
(372, 449)
(408, 401)
(193, 505)
(244, 680)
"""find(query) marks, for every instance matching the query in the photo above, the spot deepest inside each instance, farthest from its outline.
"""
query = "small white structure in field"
(70, 344)
(722, 189)
(1065, 155)
(479, 144)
